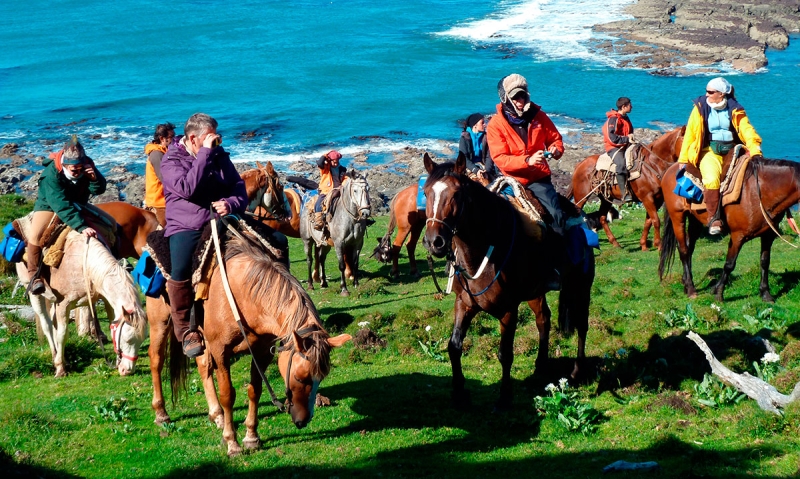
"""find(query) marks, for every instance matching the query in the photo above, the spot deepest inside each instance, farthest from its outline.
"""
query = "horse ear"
(298, 343)
(258, 165)
(429, 164)
(339, 340)
(270, 169)
(461, 164)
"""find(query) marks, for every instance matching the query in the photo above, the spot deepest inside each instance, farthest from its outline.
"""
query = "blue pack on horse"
(347, 224)
(499, 265)
(756, 194)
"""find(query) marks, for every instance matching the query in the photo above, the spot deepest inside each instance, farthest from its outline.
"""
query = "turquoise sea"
(307, 76)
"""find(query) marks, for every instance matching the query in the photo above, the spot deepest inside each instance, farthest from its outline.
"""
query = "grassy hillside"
(391, 416)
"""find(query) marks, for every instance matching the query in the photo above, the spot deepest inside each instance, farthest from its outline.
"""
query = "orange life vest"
(624, 127)
(153, 189)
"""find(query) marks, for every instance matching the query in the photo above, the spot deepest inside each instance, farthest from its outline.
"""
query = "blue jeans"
(181, 252)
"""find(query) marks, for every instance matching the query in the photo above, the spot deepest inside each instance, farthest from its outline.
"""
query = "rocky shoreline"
(686, 37)
(20, 170)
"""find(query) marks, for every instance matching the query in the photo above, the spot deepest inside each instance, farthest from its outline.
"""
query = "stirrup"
(193, 347)
(36, 287)
(715, 228)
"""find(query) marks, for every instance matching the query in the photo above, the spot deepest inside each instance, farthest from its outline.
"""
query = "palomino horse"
(408, 219)
(273, 307)
(89, 266)
(347, 229)
(769, 189)
(470, 225)
(656, 157)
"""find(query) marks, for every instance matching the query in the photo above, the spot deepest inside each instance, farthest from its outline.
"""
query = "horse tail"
(392, 218)
(178, 367)
(668, 246)
(575, 296)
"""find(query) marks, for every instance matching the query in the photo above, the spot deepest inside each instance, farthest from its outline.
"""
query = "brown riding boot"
(34, 253)
(711, 198)
(180, 304)
(318, 220)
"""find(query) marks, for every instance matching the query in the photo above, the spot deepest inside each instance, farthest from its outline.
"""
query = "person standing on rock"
(716, 124)
(617, 136)
(68, 180)
(198, 176)
(473, 144)
(154, 189)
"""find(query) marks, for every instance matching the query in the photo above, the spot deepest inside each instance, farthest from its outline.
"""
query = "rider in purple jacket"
(198, 175)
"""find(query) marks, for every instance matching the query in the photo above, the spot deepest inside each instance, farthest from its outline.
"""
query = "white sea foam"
(551, 29)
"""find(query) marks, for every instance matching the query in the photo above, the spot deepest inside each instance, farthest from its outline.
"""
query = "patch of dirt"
(366, 339)
(673, 401)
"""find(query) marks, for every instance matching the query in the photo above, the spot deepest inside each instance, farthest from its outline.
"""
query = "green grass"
(391, 415)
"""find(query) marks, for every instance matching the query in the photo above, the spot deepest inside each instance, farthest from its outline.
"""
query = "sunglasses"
(711, 92)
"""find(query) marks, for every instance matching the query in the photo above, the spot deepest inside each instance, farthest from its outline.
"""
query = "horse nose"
(301, 423)
(438, 242)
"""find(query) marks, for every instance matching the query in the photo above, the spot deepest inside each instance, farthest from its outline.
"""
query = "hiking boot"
(711, 198)
(715, 227)
(193, 344)
(318, 220)
(34, 257)
(622, 182)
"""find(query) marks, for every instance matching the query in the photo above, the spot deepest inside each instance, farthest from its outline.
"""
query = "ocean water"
(305, 76)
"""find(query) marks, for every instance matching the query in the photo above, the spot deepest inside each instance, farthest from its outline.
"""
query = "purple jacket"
(191, 184)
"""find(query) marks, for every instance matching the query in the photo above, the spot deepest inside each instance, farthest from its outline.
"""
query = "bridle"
(116, 338)
(303, 334)
(277, 212)
(360, 201)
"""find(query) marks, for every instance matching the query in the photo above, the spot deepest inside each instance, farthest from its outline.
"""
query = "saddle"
(734, 169)
(204, 259)
(54, 237)
(633, 163)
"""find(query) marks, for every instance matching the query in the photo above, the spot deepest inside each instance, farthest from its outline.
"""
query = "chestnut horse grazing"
(770, 188)
(273, 307)
(89, 266)
(470, 225)
(408, 219)
(656, 157)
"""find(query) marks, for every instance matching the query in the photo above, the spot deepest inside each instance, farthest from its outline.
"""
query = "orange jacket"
(621, 128)
(509, 151)
(328, 181)
(153, 189)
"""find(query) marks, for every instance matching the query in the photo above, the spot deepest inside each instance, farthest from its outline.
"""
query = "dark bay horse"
(409, 220)
(773, 185)
(469, 224)
(273, 307)
(657, 157)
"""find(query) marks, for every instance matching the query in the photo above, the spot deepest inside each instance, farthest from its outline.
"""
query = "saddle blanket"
(605, 163)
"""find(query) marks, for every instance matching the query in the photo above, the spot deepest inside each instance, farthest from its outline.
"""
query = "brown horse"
(770, 188)
(135, 223)
(273, 307)
(408, 219)
(656, 157)
(470, 225)
(266, 194)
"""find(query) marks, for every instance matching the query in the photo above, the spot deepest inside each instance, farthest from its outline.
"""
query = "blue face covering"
(476, 141)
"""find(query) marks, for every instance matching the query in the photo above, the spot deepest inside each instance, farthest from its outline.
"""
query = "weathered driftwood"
(767, 397)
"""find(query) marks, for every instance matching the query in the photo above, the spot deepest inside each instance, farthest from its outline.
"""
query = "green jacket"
(59, 195)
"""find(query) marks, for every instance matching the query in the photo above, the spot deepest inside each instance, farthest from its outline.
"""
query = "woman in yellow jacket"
(717, 123)
(153, 189)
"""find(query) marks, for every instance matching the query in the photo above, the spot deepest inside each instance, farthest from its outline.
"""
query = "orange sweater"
(153, 189)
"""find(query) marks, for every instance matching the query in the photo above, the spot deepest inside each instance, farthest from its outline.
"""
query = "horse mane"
(101, 266)
(272, 286)
(440, 171)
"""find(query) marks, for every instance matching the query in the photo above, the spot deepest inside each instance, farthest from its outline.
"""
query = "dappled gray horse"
(347, 228)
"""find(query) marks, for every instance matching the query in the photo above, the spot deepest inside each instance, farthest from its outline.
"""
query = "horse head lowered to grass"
(497, 266)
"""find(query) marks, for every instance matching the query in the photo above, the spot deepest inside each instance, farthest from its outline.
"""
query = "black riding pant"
(181, 252)
(545, 192)
(618, 156)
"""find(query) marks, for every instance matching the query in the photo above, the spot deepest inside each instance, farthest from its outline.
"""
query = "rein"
(350, 196)
(235, 310)
(92, 313)
(303, 333)
(459, 271)
(764, 211)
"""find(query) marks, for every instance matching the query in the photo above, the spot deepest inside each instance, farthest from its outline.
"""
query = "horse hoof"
(344, 293)
(234, 450)
(60, 373)
(162, 418)
(323, 285)
(767, 298)
(251, 443)
(310, 287)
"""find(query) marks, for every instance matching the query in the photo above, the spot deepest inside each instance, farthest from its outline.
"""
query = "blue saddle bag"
(422, 203)
(12, 246)
(148, 276)
(686, 188)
